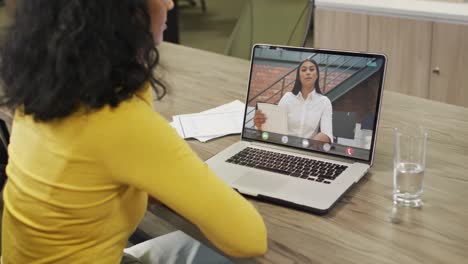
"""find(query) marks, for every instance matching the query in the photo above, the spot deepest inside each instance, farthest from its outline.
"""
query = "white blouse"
(307, 116)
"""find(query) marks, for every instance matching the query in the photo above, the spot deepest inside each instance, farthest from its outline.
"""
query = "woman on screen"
(309, 112)
(87, 147)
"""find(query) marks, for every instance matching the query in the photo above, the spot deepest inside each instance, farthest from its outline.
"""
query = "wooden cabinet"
(340, 30)
(407, 44)
(426, 59)
(449, 64)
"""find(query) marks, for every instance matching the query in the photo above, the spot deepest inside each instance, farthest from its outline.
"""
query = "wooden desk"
(363, 227)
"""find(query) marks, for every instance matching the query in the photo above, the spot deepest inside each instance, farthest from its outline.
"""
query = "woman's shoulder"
(287, 97)
(129, 123)
(128, 115)
(290, 95)
(324, 98)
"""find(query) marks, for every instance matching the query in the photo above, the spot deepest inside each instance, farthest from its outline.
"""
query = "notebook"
(277, 118)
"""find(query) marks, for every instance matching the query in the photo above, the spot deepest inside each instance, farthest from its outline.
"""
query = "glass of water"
(409, 163)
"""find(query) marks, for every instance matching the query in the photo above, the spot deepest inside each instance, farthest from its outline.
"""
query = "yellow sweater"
(77, 188)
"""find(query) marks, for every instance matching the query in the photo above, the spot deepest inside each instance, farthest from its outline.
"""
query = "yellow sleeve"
(142, 150)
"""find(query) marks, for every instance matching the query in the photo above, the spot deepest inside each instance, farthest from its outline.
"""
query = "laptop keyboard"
(313, 170)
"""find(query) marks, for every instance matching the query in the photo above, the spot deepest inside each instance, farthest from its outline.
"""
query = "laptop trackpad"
(255, 183)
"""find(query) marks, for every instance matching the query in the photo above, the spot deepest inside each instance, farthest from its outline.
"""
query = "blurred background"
(209, 30)
(426, 41)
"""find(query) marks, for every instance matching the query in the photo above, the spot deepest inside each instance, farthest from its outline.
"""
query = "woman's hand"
(259, 119)
(322, 137)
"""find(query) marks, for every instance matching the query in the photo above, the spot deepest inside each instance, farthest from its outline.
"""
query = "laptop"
(299, 169)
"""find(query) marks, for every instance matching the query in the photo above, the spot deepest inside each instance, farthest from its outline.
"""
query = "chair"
(203, 4)
(271, 22)
(10, 6)
(4, 140)
(344, 125)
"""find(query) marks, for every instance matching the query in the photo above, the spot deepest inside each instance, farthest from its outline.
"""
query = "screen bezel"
(370, 159)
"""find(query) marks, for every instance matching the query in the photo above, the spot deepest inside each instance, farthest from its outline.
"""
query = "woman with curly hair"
(87, 149)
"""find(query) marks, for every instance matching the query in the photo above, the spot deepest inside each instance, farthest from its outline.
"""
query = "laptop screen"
(316, 100)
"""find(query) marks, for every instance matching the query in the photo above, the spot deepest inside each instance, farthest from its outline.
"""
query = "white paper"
(277, 118)
(210, 124)
(235, 105)
(227, 119)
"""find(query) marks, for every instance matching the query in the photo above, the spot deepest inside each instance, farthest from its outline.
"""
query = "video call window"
(314, 100)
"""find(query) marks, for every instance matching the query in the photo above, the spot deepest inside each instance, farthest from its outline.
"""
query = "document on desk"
(277, 118)
(210, 124)
(216, 122)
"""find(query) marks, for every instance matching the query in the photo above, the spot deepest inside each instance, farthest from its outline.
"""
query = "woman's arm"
(142, 150)
(326, 124)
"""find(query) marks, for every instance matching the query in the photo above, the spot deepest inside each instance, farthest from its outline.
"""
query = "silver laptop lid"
(317, 100)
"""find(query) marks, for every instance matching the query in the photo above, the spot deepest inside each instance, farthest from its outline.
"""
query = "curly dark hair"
(298, 85)
(62, 54)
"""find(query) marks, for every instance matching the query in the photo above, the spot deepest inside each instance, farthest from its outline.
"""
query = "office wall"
(263, 76)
